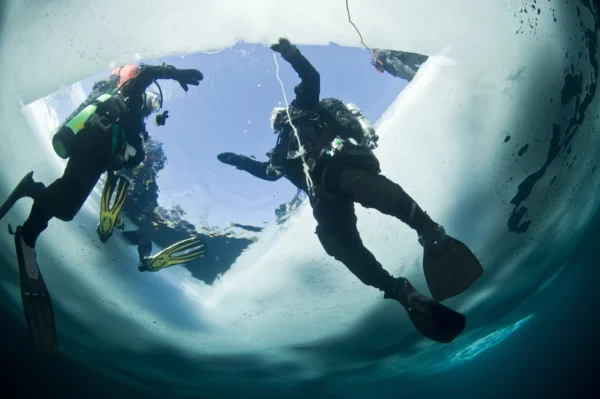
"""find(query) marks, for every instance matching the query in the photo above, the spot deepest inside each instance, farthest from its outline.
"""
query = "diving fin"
(27, 187)
(108, 214)
(449, 266)
(432, 319)
(37, 304)
(181, 252)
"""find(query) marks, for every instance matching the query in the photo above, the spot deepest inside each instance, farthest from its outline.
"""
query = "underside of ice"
(286, 313)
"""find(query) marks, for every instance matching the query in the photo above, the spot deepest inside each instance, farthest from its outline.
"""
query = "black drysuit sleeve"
(256, 168)
(309, 89)
(144, 78)
(307, 97)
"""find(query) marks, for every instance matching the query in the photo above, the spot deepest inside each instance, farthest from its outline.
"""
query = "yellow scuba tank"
(69, 129)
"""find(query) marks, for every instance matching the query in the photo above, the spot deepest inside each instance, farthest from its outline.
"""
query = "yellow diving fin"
(181, 252)
(109, 214)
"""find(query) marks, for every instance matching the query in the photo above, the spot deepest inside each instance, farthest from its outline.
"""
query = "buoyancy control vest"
(102, 112)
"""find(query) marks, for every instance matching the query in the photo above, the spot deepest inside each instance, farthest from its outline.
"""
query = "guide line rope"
(357, 31)
(301, 150)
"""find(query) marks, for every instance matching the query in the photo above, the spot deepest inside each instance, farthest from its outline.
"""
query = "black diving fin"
(432, 319)
(27, 187)
(37, 304)
(449, 266)
(181, 252)
(109, 214)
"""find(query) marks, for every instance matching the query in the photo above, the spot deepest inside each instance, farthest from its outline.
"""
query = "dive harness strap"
(316, 156)
(326, 146)
(119, 139)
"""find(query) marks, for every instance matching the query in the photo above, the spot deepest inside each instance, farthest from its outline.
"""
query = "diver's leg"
(339, 236)
(412, 59)
(449, 266)
(373, 190)
(144, 245)
(65, 197)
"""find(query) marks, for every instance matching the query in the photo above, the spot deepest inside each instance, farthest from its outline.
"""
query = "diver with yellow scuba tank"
(324, 148)
(104, 134)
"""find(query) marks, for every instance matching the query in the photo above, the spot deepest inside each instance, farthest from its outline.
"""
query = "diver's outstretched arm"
(255, 168)
(150, 73)
(309, 90)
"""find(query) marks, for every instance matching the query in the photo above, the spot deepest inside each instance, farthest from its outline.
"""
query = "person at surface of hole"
(335, 150)
(397, 63)
(104, 134)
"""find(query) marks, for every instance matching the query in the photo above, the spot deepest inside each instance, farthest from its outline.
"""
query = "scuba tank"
(69, 129)
(66, 132)
(369, 133)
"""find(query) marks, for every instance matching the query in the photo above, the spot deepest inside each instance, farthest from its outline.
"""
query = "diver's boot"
(37, 304)
(434, 320)
(27, 187)
(143, 265)
(433, 238)
(449, 266)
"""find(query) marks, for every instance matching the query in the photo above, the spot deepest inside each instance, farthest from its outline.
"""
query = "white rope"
(357, 31)
(371, 52)
(301, 151)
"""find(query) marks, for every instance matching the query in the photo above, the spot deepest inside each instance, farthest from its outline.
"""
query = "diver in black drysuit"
(353, 175)
(91, 152)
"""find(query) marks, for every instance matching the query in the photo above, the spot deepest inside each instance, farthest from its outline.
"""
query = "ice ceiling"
(494, 136)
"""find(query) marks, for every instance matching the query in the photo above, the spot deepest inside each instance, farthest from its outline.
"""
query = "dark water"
(553, 356)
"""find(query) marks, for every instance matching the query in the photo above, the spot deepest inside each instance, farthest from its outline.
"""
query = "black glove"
(187, 77)
(161, 118)
(231, 159)
(281, 47)
(284, 47)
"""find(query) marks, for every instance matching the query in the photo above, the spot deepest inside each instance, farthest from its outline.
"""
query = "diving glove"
(231, 159)
(161, 118)
(187, 77)
(285, 48)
